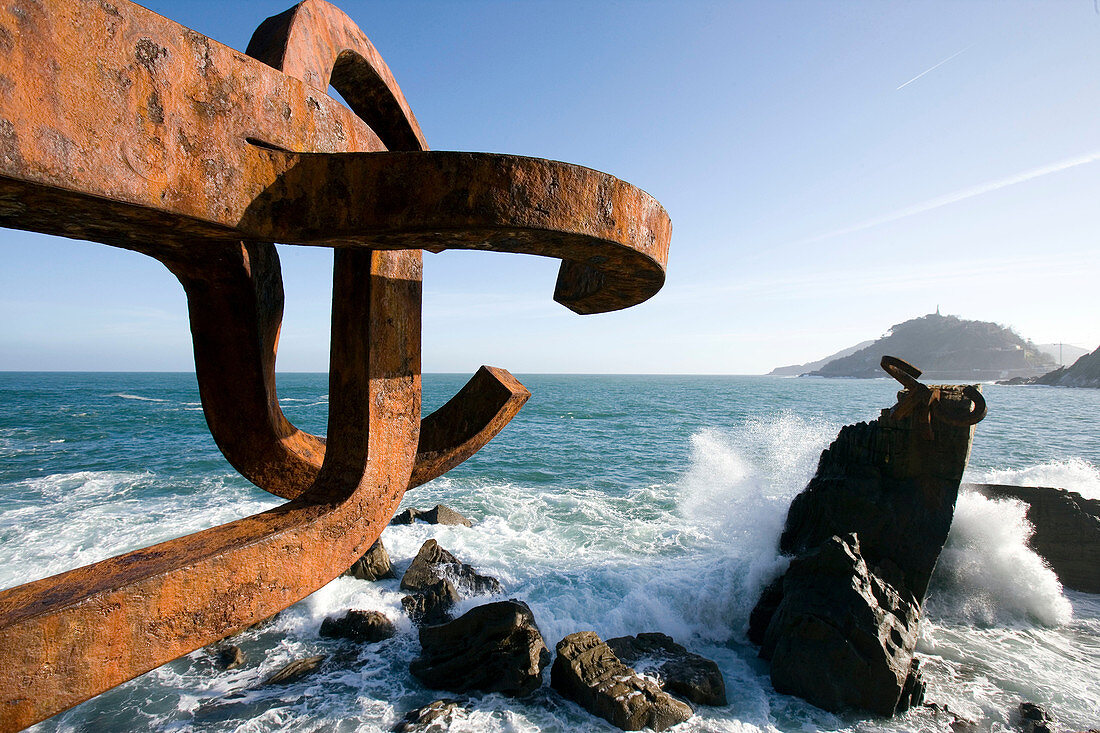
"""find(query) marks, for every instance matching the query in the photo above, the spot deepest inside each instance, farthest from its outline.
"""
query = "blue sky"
(831, 168)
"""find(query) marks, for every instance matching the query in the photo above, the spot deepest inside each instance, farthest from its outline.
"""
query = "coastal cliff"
(1085, 372)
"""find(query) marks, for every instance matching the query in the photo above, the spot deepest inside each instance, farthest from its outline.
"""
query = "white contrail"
(926, 71)
(962, 195)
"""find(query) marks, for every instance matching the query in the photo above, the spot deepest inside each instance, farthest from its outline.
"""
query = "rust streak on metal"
(925, 401)
(121, 127)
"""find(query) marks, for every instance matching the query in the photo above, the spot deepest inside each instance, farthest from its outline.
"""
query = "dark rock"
(679, 671)
(886, 482)
(296, 670)
(433, 564)
(436, 716)
(493, 648)
(954, 722)
(442, 514)
(408, 516)
(842, 637)
(1034, 719)
(912, 692)
(365, 627)
(762, 613)
(587, 672)
(433, 604)
(889, 487)
(373, 565)
(1067, 531)
(229, 656)
(439, 514)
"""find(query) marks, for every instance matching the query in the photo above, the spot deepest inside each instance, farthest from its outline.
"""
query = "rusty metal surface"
(925, 401)
(122, 127)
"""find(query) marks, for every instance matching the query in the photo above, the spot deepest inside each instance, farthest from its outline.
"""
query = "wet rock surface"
(296, 670)
(840, 626)
(433, 604)
(439, 514)
(886, 482)
(432, 564)
(229, 657)
(587, 672)
(435, 716)
(679, 671)
(496, 647)
(1033, 719)
(364, 627)
(841, 637)
(373, 565)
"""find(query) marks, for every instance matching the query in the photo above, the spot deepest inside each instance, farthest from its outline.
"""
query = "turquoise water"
(614, 503)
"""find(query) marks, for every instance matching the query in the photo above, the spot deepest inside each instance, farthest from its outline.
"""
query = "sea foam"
(988, 575)
(1075, 474)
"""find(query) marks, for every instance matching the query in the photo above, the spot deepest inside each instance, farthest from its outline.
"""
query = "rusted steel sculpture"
(923, 401)
(121, 127)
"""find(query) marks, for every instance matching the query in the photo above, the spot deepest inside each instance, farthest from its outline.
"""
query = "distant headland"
(1085, 372)
(945, 348)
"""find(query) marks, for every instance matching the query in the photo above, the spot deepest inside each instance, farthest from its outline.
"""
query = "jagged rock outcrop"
(1067, 531)
(1085, 372)
(948, 348)
(493, 648)
(587, 672)
(840, 626)
(433, 717)
(841, 637)
(365, 627)
(431, 605)
(678, 671)
(1034, 719)
(886, 482)
(439, 514)
(432, 564)
(373, 565)
(296, 670)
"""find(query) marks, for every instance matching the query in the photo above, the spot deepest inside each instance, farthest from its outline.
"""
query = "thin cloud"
(933, 68)
(966, 193)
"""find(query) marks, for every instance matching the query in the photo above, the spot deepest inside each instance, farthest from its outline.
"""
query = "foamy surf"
(661, 515)
(1075, 474)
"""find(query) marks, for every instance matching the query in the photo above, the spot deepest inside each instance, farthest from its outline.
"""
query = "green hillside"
(947, 348)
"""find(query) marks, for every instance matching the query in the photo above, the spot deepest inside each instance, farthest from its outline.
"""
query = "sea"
(618, 504)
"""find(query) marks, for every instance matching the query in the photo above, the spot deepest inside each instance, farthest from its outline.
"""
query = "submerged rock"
(493, 648)
(587, 672)
(679, 671)
(955, 723)
(373, 565)
(229, 657)
(442, 514)
(1034, 719)
(365, 627)
(433, 604)
(296, 670)
(439, 514)
(433, 564)
(842, 637)
(435, 716)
